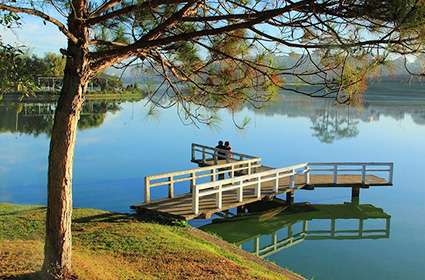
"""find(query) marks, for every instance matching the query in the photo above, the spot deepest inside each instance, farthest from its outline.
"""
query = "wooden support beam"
(355, 195)
(289, 197)
(147, 191)
(170, 187)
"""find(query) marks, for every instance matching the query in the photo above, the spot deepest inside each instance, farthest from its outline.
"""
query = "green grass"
(118, 246)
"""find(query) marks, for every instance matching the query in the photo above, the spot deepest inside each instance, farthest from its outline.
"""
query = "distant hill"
(394, 70)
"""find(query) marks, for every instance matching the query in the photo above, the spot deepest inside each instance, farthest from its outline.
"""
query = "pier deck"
(243, 179)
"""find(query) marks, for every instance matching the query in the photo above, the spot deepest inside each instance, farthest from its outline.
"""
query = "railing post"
(193, 152)
(387, 227)
(293, 179)
(363, 174)
(213, 175)
(275, 241)
(290, 232)
(390, 174)
(193, 181)
(276, 183)
(147, 190)
(249, 168)
(305, 226)
(203, 154)
(257, 246)
(258, 188)
(215, 156)
(240, 192)
(219, 198)
(170, 187)
(195, 200)
(307, 175)
(233, 171)
(335, 173)
(361, 225)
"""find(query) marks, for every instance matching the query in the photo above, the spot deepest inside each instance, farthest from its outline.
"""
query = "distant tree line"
(27, 69)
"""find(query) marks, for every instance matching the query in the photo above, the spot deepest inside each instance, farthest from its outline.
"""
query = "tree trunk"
(58, 243)
(58, 249)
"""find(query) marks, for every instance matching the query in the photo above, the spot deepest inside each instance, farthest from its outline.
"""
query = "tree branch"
(129, 9)
(171, 21)
(104, 7)
(40, 14)
(141, 44)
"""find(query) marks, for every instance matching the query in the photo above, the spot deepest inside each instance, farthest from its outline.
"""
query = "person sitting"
(220, 150)
(228, 149)
(221, 154)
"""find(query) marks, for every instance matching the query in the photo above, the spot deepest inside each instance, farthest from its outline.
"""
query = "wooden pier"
(228, 180)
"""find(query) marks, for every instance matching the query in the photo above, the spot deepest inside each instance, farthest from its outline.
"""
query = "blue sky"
(36, 36)
(40, 38)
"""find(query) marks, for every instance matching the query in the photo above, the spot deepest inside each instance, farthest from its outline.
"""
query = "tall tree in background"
(210, 54)
(55, 64)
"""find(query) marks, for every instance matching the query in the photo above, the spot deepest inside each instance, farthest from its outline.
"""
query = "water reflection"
(273, 233)
(37, 118)
(329, 121)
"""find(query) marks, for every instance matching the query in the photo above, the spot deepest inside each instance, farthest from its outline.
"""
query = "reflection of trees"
(94, 113)
(331, 121)
(37, 118)
(331, 124)
(419, 117)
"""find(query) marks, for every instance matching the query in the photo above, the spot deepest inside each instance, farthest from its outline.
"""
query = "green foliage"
(53, 64)
(108, 82)
(8, 19)
(14, 70)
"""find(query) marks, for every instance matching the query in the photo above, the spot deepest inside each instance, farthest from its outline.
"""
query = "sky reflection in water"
(117, 148)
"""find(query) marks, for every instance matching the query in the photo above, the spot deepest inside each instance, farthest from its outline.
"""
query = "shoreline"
(48, 97)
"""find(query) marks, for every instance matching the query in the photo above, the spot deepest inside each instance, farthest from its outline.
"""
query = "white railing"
(303, 233)
(305, 169)
(203, 153)
(362, 168)
(242, 182)
(213, 173)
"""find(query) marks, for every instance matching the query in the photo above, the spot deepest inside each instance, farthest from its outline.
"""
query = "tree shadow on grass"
(20, 212)
(104, 218)
(147, 217)
(25, 276)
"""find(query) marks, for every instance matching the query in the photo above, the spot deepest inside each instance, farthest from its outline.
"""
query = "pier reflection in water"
(266, 234)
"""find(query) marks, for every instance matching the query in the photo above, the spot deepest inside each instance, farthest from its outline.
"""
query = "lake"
(120, 143)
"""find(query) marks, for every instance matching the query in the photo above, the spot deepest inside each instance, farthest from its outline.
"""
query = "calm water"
(119, 144)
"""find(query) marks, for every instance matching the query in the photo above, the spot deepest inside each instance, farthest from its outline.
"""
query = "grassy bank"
(117, 246)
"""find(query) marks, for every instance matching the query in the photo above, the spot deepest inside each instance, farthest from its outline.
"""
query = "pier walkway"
(220, 184)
